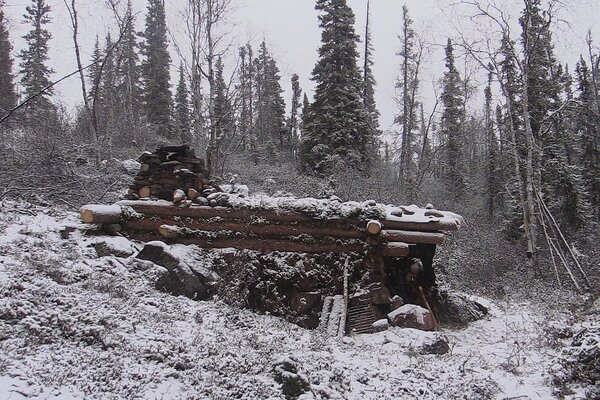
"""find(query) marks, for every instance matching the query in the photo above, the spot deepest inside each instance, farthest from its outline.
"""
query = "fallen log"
(415, 237)
(99, 214)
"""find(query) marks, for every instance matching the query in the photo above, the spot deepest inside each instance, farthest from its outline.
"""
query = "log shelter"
(172, 200)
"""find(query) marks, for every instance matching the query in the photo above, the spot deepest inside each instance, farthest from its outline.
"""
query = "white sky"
(291, 29)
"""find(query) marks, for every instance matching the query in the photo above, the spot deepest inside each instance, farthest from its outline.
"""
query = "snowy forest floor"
(75, 325)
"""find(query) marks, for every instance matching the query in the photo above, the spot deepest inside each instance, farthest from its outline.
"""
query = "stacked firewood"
(172, 173)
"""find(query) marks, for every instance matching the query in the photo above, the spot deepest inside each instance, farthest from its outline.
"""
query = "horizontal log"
(396, 249)
(100, 214)
(432, 224)
(415, 237)
(258, 244)
(167, 209)
(313, 228)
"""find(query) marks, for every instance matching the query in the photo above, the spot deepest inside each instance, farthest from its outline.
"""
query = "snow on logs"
(274, 228)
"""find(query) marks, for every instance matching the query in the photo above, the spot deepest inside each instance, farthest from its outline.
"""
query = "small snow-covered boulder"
(117, 246)
(131, 166)
(218, 199)
(412, 316)
(381, 325)
(458, 310)
(438, 346)
(240, 190)
(180, 278)
(285, 371)
(397, 302)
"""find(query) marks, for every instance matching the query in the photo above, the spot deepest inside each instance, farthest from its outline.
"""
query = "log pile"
(244, 225)
(172, 173)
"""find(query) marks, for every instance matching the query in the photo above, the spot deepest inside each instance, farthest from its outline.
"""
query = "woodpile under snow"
(172, 173)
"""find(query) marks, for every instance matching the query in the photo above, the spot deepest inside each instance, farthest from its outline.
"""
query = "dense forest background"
(519, 157)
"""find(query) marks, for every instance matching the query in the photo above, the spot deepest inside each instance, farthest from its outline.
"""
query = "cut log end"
(374, 227)
(97, 214)
(144, 192)
(87, 215)
(192, 194)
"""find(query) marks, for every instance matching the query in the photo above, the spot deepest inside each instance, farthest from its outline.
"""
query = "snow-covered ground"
(75, 325)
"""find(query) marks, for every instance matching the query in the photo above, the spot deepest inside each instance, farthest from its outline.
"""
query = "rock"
(131, 166)
(412, 316)
(66, 231)
(381, 325)
(439, 347)
(293, 384)
(113, 246)
(180, 278)
(455, 309)
(375, 293)
(240, 190)
(397, 302)
(304, 301)
(201, 200)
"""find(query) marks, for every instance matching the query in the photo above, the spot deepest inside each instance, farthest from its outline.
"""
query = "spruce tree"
(128, 79)
(452, 125)
(369, 80)
(107, 106)
(269, 103)
(246, 79)
(493, 171)
(588, 129)
(8, 97)
(337, 129)
(294, 123)
(34, 71)
(304, 116)
(560, 179)
(182, 109)
(155, 70)
(407, 85)
(94, 72)
(224, 118)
